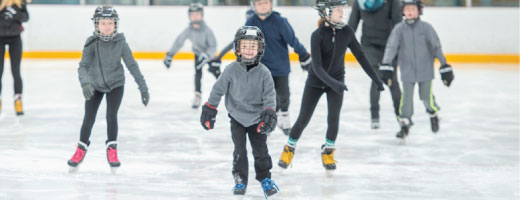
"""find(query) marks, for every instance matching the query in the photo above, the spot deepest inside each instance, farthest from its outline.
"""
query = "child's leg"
(15, 52)
(113, 102)
(426, 95)
(334, 103)
(281, 86)
(198, 75)
(91, 108)
(406, 108)
(240, 163)
(310, 99)
(2, 56)
(395, 91)
(263, 162)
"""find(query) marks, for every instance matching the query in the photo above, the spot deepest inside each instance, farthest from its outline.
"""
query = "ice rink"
(166, 154)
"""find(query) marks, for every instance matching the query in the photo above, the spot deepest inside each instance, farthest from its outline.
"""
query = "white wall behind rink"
(65, 28)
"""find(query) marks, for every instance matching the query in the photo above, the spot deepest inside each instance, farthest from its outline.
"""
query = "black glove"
(167, 61)
(214, 66)
(9, 13)
(145, 97)
(88, 91)
(446, 74)
(268, 121)
(306, 62)
(207, 118)
(386, 73)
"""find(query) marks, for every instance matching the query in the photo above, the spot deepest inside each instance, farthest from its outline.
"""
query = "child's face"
(337, 14)
(195, 16)
(249, 48)
(411, 11)
(106, 26)
(262, 6)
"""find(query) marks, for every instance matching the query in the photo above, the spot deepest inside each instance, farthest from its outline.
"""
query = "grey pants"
(425, 94)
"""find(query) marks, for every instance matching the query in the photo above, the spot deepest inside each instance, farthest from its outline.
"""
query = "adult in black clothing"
(379, 17)
(12, 14)
(328, 46)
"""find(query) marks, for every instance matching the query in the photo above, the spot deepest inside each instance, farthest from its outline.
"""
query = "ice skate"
(327, 157)
(239, 189)
(434, 121)
(287, 156)
(405, 128)
(78, 157)
(112, 159)
(18, 108)
(196, 101)
(375, 124)
(284, 122)
(269, 187)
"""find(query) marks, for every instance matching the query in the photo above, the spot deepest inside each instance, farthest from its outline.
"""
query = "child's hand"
(306, 62)
(208, 116)
(167, 61)
(145, 97)
(268, 121)
(88, 91)
(386, 72)
(446, 74)
(214, 66)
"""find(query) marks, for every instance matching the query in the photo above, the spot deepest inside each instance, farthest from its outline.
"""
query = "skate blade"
(113, 170)
(73, 170)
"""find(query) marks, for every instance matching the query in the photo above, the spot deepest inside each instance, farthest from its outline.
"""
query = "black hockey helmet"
(418, 3)
(196, 7)
(249, 33)
(105, 12)
(325, 8)
(252, 2)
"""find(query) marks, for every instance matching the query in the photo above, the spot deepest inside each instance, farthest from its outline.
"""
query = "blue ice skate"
(239, 189)
(269, 187)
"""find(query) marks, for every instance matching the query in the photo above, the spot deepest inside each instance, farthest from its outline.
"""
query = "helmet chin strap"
(411, 21)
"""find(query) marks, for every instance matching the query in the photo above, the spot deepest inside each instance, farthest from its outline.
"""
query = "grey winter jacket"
(417, 46)
(101, 66)
(377, 25)
(13, 26)
(248, 93)
(202, 39)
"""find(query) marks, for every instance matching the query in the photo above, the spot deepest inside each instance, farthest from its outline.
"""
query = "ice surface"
(166, 154)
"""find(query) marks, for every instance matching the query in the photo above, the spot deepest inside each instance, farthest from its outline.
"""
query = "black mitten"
(214, 66)
(446, 74)
(207, 118)
(268, 121)
(306, 62)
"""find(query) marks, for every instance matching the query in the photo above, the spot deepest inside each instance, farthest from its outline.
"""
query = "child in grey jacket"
(250, 102)
(204, 45)
(101, 73)
(417, 44)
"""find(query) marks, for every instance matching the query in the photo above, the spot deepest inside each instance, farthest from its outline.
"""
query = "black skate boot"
(405, 128)
(434, 121)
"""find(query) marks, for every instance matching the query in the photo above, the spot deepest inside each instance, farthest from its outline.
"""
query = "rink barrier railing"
(452, 58)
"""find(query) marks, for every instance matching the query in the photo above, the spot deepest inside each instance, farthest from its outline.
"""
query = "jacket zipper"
(100, 68)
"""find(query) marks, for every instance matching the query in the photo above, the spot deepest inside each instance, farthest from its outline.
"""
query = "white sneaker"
(284, 122)
(196, 101)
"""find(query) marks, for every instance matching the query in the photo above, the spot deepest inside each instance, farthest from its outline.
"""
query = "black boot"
(434, 121)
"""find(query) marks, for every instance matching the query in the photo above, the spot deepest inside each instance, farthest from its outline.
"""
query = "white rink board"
(166, 154)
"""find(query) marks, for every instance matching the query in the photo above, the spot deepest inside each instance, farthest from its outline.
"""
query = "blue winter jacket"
(278, 34)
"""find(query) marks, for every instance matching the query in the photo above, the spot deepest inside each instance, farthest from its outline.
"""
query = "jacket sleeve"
(179, 42)
(132, 66)
(220, 88)
(363, 61)
(288, 36)
(435, 44)
(396, 12)
(317, 66)
(355, 16)
(85, 63)
(212, 44)
(392, 45)
(225, 50)
(21, 15)
(269, 94)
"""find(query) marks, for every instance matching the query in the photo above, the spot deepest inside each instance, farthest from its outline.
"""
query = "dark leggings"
(281, 86)
(113, 99)
(198, 74)
(15, 53)
(311, 96)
